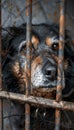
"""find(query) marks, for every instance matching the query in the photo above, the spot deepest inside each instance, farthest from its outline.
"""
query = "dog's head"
(44, 56)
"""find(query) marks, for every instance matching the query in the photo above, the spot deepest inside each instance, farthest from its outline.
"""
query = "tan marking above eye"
(35, 41)
(48, 41)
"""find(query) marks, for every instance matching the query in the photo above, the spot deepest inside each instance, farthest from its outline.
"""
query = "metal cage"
(58, 104)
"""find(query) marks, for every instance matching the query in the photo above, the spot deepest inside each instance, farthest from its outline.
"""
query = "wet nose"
(50, 72)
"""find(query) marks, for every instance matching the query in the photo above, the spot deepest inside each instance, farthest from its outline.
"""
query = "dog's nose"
(50, 73)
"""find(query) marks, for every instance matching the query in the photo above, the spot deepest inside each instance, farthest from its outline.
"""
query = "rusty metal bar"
(42, 102)
(28, 62)
(60, 77)
(1, 100)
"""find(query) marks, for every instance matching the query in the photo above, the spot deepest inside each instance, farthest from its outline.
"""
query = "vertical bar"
(28, 62)
(60, 77)
(1, 101)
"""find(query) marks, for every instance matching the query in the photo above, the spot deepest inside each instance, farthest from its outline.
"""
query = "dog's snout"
(50, 72)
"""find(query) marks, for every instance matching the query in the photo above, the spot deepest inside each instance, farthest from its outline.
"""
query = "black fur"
(11, 54)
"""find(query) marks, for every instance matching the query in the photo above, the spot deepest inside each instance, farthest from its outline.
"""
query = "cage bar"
(28, 62)
(60, 77)
(39, 101)
(1, 100)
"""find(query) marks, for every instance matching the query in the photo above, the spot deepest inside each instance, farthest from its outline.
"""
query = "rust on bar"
(28, 61)
(39, 101)
(1, 100)
(60, 77)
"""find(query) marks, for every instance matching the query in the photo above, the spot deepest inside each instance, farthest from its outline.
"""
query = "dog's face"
(43, 73)
(44, 55)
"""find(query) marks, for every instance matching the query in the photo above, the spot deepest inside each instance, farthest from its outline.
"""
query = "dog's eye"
(55, 46)
(23, 48)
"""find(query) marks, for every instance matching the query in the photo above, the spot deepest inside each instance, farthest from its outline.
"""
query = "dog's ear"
(15, 31)
(6, 41)
(55, 28)
(9, 33)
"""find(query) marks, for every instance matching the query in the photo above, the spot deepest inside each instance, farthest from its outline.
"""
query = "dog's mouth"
(47, 84)
(44, 91)
(46, 88)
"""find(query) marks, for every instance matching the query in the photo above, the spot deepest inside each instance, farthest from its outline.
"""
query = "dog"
(44, 54)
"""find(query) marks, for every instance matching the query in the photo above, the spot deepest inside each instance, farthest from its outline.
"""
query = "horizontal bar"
(38, 101)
